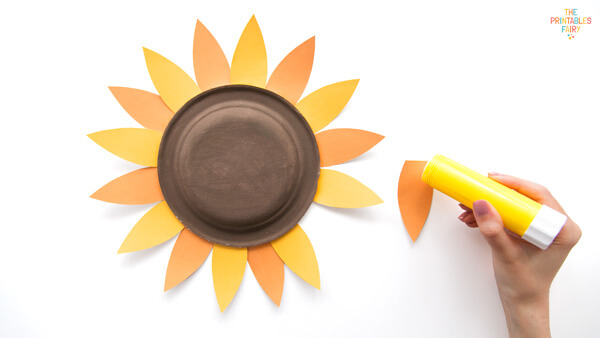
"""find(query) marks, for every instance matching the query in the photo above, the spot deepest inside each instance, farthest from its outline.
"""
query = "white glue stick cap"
(545, 227)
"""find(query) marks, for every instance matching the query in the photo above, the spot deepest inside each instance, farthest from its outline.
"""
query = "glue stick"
(536, 223)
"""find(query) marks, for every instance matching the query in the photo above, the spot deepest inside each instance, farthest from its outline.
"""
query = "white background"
(490, 84)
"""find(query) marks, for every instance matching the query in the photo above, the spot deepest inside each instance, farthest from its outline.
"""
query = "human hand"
(523, 272)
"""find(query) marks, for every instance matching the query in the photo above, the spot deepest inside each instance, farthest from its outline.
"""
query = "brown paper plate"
(238, 165)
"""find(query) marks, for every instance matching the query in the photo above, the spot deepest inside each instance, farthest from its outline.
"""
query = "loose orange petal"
(157, 226)
(228, 266)
(414, 197)
(296, 251)
(268, 270)
(146, 108)
(210, 63)
(323, 105)
(289, 79)
(137, 187)
(249, 63)
(188, 254)
(337, 146)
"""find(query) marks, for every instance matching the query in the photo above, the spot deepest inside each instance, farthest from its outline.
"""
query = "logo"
(571, 23)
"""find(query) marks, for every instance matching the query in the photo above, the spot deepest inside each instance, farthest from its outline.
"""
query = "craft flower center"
(238, 165)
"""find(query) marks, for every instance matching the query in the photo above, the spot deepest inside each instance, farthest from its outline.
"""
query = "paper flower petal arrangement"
(234, 163)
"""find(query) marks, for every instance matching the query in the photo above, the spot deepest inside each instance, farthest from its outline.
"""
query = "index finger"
(535, 191)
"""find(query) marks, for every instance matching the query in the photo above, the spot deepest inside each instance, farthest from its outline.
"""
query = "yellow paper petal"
(157, 226)
(228, 266)
(172, 83)
(336, 189)
(210, 64)
(132, 144)
(297, 253)
(323, 105)
(249, 63)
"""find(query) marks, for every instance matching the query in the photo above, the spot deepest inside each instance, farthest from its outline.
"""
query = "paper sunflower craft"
(234, 162)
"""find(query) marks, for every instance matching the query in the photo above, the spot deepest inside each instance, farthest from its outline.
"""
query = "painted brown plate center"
(238, 165)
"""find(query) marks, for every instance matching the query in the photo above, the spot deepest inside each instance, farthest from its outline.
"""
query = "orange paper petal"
(337, 146)
(249, 63)
(146, 108)
(268, 270)
(137, 187)
(336, 189)
(210, 63)
(172, 83)
(322, 106)
(414, 197)
(291, 76)
(157, 226)
(228, 266)
(188, 254)
(297, 253)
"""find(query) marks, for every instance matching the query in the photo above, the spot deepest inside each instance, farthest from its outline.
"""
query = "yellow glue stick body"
(534, 222)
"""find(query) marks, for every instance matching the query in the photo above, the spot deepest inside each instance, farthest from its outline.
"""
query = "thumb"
(491, 226)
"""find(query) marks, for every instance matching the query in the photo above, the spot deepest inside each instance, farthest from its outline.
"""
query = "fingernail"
(495, 174)
(481, 208)
(461, 217)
